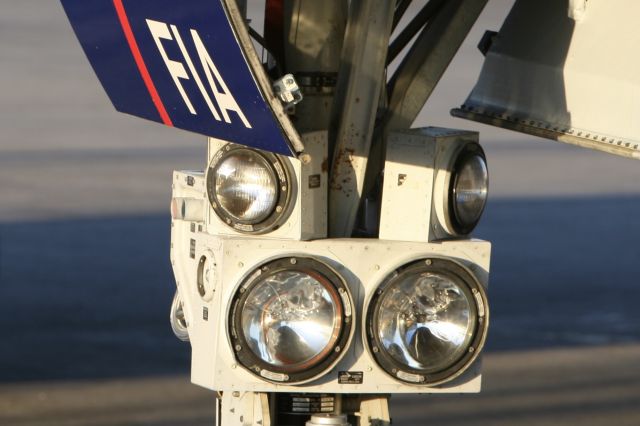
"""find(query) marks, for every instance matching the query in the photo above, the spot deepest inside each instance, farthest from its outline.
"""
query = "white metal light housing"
(252, 193)
(427, 322)
(358, 266)
(291, 320)
(442, 174)
(248, 189)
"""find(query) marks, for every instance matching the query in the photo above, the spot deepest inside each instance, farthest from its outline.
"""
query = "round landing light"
(177, 318)
(427, 322)
(469, 188)
(248, 189)
(291, 320)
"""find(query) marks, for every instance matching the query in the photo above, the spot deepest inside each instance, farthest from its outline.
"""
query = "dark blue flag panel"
(177, 62)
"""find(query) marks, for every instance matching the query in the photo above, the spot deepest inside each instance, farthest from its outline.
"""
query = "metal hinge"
(287, 90)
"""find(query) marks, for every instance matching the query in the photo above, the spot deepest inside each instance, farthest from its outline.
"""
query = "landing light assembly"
(273, 305)
(442, 174)
(248, 189)
(291, 320)
(427, 322)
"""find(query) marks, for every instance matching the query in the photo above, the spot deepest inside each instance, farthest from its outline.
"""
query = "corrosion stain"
(325, 165)
(343, 176)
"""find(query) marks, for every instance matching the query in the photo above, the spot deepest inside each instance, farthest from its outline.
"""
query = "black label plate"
(350, 377)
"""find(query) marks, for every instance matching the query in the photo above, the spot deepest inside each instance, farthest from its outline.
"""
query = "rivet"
(293, 261)
(305, 158)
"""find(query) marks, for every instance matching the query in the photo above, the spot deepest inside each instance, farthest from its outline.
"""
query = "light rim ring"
(283, 197)
(462, 277)
(177, 319)
(469, 150)
(276, 374)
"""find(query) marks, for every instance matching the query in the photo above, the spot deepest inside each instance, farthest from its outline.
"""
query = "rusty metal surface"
(356, 103)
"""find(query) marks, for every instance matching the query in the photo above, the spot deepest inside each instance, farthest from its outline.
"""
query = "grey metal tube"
(314, 32)
(357, 98)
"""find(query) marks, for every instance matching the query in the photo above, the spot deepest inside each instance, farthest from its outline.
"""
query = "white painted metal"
(577, 9)
(307, 218)
(244, 409)
(188, 209)
(573, 80)
(417, 176)
(363, 263)
(187, 202)
(358, 95)
(374, 411)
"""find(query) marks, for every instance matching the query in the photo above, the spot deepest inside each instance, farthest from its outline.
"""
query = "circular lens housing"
(291, 320)
(248, 189)
(177, 318)
(469, 188)
(427, 322)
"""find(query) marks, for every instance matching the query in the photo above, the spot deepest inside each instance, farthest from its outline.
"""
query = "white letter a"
(224, 98)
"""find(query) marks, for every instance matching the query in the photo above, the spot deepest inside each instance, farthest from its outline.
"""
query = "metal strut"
(360, 83)
(420, 71)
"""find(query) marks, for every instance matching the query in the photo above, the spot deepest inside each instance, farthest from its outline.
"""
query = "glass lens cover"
(291, 319)
(246, 186)
(471, 189)
(426, 321)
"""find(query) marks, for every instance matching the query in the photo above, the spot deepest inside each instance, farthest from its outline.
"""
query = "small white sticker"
(408, 377)
(276, 377)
